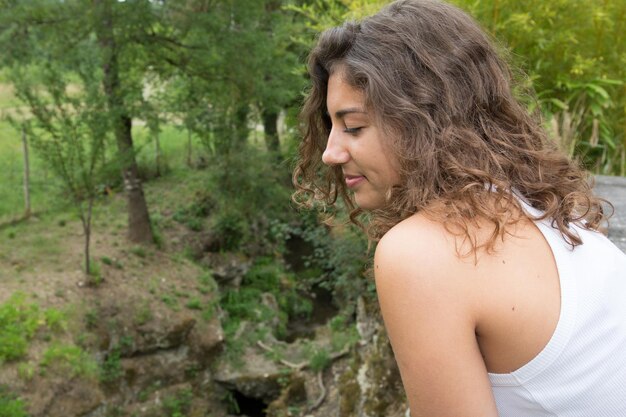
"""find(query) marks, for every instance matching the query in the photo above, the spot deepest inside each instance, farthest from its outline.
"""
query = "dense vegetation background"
(197, 101)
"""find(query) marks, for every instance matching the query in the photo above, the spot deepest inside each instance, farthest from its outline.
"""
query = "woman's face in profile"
(355, 144)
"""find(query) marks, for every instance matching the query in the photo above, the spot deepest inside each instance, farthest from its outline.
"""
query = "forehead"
(341, 95)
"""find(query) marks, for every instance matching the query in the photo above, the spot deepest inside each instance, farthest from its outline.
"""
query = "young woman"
(498, 294)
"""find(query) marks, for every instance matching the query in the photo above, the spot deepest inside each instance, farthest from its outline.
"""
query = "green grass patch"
(70, 360)
(18, 322)
(10, 404)
(194, 304)
(44, 186)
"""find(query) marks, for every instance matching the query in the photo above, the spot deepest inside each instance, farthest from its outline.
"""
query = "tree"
(27, 207)
(68, 130)
(39, 32)
(105, 21)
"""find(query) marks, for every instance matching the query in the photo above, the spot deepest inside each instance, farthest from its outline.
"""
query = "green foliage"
(10, 404)
(26, 370)
(179, 404)
(45, 189)
(336, 260)
(194, 304)
(193, 215)
(249, 193)
(581, 124)
(69, 359)
(91, 319)
(231, 229)
(55, 320)
(170, 301)
(95, 274)
(138, 251)
(18, 322)
(343, 332)
(575, 55)
(267, 276)
(111, 368)
(319, 360)
(231, 403)
(143, 314)
(206, 281)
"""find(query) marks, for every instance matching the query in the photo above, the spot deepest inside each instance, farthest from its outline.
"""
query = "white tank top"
(581, 372)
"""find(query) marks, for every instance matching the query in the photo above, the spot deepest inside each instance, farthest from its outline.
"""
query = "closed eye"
(352, 130)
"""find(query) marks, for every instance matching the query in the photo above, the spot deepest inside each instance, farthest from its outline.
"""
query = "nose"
(335, 152)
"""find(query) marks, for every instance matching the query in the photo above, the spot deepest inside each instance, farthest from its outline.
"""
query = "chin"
(368, 204)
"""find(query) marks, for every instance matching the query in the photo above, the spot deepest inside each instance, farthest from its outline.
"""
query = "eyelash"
(352, 130)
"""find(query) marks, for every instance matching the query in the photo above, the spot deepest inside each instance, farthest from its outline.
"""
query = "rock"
(366, 324)
(164, 402)
(59, 397)
(614, 190)
(168, 332)
(198, 243)
(256, 377)
(228, 268)
(161, 369)
(206, 339)
(269, 301)
(370, 385)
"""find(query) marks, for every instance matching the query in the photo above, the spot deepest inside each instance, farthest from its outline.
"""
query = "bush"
(266, 276)
(250, 194)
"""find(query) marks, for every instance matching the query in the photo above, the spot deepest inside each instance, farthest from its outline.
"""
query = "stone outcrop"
(614, 190)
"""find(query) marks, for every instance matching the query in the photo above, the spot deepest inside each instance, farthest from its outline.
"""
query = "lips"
(353, 180)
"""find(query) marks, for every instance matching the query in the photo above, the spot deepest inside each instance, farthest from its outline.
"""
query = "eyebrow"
(341, 113)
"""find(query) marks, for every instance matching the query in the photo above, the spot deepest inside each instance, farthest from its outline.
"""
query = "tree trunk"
(241, 126)
(139, 228)
(270, 125)
(87, 230)
(27, 208)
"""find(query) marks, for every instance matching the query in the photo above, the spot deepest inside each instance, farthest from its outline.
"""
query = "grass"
(10, 404)
(19, 320)
(24, 245)
(70, 360)
(43, 183)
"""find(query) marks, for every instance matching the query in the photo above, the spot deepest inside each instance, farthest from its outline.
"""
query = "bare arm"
(429, 309)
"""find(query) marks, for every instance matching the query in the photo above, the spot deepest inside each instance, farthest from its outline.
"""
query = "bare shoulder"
(452, 319)
(419, 247)
(427, 304)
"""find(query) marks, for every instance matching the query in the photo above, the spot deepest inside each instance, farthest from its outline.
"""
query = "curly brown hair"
(443, 97)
